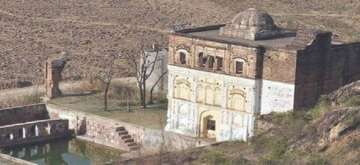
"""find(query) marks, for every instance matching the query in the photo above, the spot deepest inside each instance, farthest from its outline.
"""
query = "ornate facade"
(222, 76)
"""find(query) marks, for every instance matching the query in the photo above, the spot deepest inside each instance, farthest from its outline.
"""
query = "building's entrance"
(209, 127)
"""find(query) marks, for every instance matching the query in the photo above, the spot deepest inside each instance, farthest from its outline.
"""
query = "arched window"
(182, 57)
(182, 89)
(211, 62)
(236, 99)
(201, 59)
(219, 63)
(239, 66)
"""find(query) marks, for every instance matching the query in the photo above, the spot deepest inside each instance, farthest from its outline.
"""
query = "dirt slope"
(32, 30)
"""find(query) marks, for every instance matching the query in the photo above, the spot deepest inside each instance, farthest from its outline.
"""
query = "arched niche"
(236, 99)
(182, 88)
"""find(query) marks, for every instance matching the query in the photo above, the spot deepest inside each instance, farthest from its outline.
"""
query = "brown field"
(32, 30)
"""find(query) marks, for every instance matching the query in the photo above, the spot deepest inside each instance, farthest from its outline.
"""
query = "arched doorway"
(209, 127)
(209, 124)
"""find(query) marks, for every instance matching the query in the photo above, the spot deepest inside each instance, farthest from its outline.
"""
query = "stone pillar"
(53, 69)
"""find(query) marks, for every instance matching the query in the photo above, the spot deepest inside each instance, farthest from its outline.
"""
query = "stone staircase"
(127, 139)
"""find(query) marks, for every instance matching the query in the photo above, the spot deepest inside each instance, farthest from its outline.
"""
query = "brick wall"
(279, 65)
(229, 52)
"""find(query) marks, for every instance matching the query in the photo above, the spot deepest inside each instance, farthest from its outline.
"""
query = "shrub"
(214, 158)
(240, 161)
(320, 109)
(274, 146)
(91, 85)
(277, 148)
(267, 161)
(290, 122)
(355, 144)
(163, 99)
(352, 101)
(317, 160)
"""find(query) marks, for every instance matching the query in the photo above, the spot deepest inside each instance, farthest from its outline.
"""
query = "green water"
(65, 152)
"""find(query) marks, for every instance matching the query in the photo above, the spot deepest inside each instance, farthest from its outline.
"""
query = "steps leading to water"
(127, 139)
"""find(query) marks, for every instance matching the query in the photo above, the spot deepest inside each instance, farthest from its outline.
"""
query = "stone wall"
(23, 114)
(34, 131)
(311, 69)
(103, 131)
(323, 68)
(343, 66)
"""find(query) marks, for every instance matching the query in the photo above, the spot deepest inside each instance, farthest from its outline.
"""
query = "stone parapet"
(35, 131)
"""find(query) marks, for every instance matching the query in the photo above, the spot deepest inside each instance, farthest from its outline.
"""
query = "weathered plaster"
(187, 110)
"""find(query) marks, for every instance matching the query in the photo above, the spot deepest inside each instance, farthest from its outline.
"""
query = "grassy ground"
(152, 117)
(293, 138)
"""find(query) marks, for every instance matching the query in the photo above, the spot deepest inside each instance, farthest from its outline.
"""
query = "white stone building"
(221, 77)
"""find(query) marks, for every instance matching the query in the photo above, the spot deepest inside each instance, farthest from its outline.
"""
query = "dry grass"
(93, 103)
(33, 30)
(33, 97)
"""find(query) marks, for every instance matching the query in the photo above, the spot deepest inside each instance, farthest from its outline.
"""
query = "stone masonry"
(221, 77)
(29, 124)
(53, 69)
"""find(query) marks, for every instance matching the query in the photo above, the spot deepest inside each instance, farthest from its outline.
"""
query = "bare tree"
(151, 101)
(105, 75)
(144, 65)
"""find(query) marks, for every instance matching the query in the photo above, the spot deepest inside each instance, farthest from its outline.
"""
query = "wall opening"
(182, 58)
(209, 127)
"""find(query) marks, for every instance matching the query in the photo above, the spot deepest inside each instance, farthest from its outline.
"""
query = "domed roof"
(252, 24)
(253, 18)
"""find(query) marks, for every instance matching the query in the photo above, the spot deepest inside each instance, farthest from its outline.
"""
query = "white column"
(24, 133)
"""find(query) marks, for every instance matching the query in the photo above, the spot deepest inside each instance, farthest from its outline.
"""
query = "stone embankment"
(28, 124)
(122, 135)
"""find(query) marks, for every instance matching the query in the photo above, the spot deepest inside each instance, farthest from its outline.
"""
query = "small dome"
(253, 18)
(251, 24)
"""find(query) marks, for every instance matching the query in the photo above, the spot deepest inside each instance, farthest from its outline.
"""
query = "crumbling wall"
(343, 66)
(311, 67)
(323, 68)
(53, 70)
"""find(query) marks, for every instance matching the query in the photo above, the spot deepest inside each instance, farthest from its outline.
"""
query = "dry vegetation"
(32, 30)
(328, 134)
(123, 104)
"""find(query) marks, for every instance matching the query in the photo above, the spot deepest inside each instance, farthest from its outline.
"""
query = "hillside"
(329, 133)
(32, 30)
